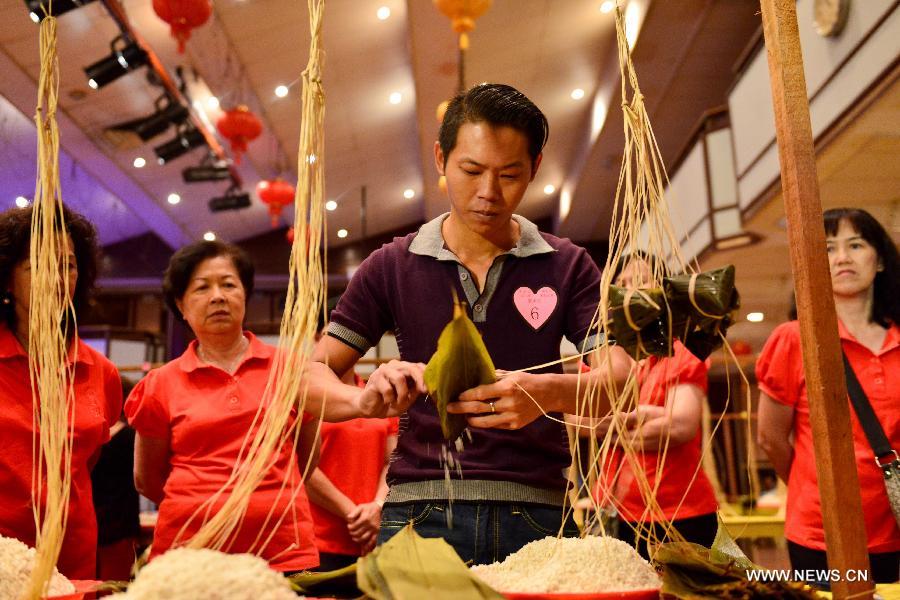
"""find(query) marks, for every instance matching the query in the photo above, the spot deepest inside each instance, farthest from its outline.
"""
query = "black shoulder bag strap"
(874, 432)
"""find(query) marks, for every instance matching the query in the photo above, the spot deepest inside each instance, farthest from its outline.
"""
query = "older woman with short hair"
(97, 391)
(193, 414)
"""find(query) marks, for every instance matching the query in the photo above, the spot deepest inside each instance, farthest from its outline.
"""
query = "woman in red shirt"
(865, 281)
(665, 431)
(193, 414)
(97, 394)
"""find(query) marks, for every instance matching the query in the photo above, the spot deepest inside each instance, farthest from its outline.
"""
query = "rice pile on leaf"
(188, 574)
(16, 562)
(571, 566)
(410, 566)
(461, 362)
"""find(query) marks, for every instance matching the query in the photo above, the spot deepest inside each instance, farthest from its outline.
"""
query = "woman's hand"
(392, 389)
(363, 523)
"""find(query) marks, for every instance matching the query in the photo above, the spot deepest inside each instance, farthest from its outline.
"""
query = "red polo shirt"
(779, 371)
(352, 458)
(98, 404)
(682, 488)
(205, 414)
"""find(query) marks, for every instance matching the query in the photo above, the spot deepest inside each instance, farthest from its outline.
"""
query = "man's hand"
(510, 403)
(391, 389)
(363, 523)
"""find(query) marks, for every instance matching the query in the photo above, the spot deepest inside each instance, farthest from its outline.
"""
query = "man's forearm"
(341, 401)
(574, 393)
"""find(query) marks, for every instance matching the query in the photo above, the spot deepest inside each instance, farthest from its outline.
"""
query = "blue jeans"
(481, 533)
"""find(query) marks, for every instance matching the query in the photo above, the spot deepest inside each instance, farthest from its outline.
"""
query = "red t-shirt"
(205, 415)
(779, 371)
(98, 404)
(352, 457)
(677, 495)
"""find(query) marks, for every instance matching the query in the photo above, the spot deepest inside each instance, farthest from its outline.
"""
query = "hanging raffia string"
(640, 221)
(276, 421)
(50, 318)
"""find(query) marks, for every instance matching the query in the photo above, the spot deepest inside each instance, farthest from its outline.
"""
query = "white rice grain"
(16, 562)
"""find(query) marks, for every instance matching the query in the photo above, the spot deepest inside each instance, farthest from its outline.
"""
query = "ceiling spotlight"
(206, 172)
(21, 201)
(409, 193)
(331, 205)
(38, 9)
(342, 233)
(577, 94)
(209, 236)
(549, 188)
(395, 98)
(173, 199)
(212, 103)
(139, 162)
(127, 57)
(755, 317)
(186, 140)
(162, 119)
(383, 13)
(281, 91)
(234, 199)
(607, 6)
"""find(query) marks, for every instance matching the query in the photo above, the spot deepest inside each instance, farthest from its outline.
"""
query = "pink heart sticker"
(535, 308)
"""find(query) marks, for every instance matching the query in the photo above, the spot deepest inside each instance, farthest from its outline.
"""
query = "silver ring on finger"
(493, 408)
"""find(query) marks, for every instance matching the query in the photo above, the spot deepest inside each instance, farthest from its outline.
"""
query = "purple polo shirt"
(536, 293)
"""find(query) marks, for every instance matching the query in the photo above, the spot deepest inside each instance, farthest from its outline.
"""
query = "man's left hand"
(509, 403)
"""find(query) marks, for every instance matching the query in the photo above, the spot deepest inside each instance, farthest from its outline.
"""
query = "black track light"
(38, 9)
(187, 139)
(124, 57)
(234, 199)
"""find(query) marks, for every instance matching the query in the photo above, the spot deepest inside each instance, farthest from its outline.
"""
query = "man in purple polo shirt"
(525, 290)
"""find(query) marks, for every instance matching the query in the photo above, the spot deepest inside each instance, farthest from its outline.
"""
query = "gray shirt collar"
(429, 240)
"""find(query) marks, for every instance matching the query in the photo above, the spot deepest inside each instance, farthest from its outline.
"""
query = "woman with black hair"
(865, 281)
(97, 394)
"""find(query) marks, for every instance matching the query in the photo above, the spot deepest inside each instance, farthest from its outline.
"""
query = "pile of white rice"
(184, 574)
(16, 562)
(571, 565)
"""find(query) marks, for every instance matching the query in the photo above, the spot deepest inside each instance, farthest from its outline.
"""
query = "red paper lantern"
(276, 194)
(182, 16)
(741, 348)
(239, 126)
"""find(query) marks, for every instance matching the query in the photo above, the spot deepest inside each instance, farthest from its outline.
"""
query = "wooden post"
(826, 389)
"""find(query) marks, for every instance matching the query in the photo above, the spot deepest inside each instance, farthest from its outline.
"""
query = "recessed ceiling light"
(212, 103)
(330, 205)
(409, 193)
(383, 13)
(139, 162)
(577, 94)
(21, 201)
(395, 98)
(755, 317)
(209, 236)
(173, 198)
(607, 6)
(342, 233)
(34, 17)
(281, 91)
(549, 188)
(93, 84)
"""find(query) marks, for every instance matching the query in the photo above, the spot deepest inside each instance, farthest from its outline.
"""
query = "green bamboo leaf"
(461, 362)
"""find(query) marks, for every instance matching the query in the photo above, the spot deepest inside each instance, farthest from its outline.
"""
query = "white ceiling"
(544, 47)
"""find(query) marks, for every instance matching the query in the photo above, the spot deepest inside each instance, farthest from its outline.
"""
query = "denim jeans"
(480, 532)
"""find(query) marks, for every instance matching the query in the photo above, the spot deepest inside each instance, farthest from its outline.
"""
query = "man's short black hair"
(185, 261)
(498, 105)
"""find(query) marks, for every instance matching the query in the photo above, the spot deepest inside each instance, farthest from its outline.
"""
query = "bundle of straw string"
(50, 316)
(275, 424)
(641, 220)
